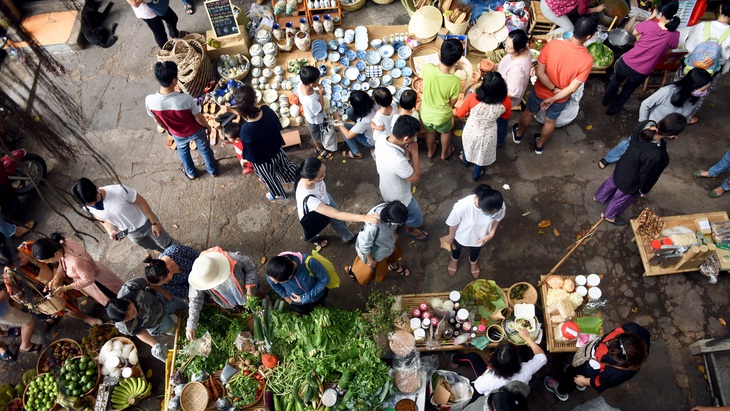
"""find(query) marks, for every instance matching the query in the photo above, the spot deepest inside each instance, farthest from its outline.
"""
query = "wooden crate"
(552, 345)
(673, 221)
(321, 11)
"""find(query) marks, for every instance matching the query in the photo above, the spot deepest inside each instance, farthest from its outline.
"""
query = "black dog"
(92, 24)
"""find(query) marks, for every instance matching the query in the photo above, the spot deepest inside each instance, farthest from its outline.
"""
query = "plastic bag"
(459, 387)
(711, 268)
(407, 372)
(200, 346)
(596, 404)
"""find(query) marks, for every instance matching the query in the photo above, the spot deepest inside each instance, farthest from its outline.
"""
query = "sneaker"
(515, 138)
(580, 387)
(538, 150)
(551, 384)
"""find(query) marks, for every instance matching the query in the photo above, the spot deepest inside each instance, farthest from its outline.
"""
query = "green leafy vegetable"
(602, 55)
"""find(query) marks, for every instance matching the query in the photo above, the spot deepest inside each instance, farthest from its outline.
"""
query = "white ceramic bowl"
(593, 280)
(581, 290)
(580, 280)
(594, 293)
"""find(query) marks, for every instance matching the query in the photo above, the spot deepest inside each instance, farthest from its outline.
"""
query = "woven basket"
(382, 2)
(194, 397)
(529, 297)
(51, 305)
(99, 377)
(423, 49)
(357, 5)
(495, 328)
(221, 388)
(457, 29)
(55, 407)
(49, 351)
(195, 70)
(16, 401)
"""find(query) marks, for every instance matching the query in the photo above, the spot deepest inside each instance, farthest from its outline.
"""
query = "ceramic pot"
(329, 26)
(277, 32)
(317, 25)
(288, 44)
(299, 120)
(280, 7)
(316, 4)
(270, 49)
(263, 36)
(303, 25)
(294, 110)
(270, 61)
(291, 6)
(339, 33)
(290, 30)
(302, 41)
(310, 4)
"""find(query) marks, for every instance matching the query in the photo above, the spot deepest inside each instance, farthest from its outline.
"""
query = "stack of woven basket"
(194, 67)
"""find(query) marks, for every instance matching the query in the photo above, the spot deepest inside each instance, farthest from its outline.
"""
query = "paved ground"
(229, 211)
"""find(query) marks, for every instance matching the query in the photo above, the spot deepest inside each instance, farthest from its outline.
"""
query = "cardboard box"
(441, 395)
(229, 45)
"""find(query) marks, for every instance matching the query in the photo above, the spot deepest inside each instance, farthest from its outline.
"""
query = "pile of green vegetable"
(328, 345)
(602, 55)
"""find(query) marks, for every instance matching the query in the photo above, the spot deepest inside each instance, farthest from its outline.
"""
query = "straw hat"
(481, 40)
(426, 22)
(209, 270)
(501, 34)
(491, 21)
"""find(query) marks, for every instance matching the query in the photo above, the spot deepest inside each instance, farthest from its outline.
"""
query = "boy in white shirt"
(382, 123)
(311, 98)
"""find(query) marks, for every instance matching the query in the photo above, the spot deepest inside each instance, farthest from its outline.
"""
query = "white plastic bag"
(460, 387)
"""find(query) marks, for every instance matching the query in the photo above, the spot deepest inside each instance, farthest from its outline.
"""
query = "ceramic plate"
(407, 81)
(258, 96)
(373, 82)
(326, 82)
(397, 45)
(404, 52)
(391, 88)
(361, 77)
(361, 54)
(319, 54)
(342, 49)
(345, 82)
(387, 64)
(365, 86)
(333, 44)
(345, 61)
(356, 86)
(337, 88)
(407, 71)
(334, 56)
(270, 96)
(386, 50)
(336, 96)
(336, 78)
(351, 73)
(400, 63)
(395, 73)
(351, 54)
(360, 65)
(372, 58)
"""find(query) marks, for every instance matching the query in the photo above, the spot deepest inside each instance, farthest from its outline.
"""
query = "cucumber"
(258, 334)
(345, 379)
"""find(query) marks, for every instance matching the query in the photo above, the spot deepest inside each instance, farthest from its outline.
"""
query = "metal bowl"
(619, 37)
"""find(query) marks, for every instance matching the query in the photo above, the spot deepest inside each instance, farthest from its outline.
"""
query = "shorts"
(442, 128)
(552, 113)
(315, 130)
(15, 318)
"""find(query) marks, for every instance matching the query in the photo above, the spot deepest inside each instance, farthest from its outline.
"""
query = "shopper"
(565, 12)
(655, 39)
(440, 92)
(666, 127)
(604, 362)
(397, 174)
(695, 38)
(317, 208)
(639, 169)
(681, 97)
(122, 212)
(311, 99)
(377, 245)
(479, 137)
(361, 111)
(75, 263)
(408, 102)
(18, 323)
(154, 13)
(516, 65)
(262, 143)
(145, 311)
(228, 277)
(178, 114)
(721, 166)
(9, 229)
(557, 81)
(382, 123)
(301, 281)
(172, 269)
(472, 223)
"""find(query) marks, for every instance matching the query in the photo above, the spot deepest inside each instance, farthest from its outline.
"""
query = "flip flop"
(350, 155)
(12, 332)
(319, 242)
(33, 348)
(602, 163)
(451, 154)
(8, 356)
(422, 237)
(400, 269)
(188, 8)
(327, 155)
(348, 271)
(474, 270)
(272, 198)
(692, 120)
(453, 266)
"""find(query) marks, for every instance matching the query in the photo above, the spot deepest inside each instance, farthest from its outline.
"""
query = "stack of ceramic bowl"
(361, 38)
(319, 50)
(263, 36)
(488, 32)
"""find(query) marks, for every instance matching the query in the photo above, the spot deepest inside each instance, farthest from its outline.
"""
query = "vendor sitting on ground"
(299, 280)
(222, 275)
(145, 311)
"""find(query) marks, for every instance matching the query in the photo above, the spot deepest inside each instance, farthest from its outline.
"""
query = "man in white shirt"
(397, 175)
(123, 212)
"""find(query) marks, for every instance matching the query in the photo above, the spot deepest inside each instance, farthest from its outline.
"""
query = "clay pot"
(485, 66)
(302, 41)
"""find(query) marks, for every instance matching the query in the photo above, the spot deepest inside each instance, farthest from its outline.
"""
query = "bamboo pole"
(572, 249)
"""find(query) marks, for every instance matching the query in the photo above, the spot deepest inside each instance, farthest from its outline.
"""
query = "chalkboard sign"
(220, 13)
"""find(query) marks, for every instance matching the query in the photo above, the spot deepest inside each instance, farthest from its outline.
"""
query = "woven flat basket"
(194, 397)
(529, 297)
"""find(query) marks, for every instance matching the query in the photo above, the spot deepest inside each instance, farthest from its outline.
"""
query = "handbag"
(329, 135)
(312, 222)
(584, 353)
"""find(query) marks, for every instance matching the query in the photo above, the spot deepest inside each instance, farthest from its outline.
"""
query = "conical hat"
(491, 21)
(481, 40)
(426, 22)
(501, 34)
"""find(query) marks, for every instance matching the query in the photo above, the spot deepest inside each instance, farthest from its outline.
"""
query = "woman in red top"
(564, 12)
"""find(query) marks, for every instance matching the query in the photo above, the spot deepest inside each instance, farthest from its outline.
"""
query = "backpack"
(331, 270)
(708, 53)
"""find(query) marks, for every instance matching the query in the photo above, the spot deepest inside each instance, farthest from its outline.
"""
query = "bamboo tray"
(552, 345)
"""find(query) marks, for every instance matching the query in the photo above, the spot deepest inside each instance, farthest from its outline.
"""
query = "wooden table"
(552, 344)
(673, 221)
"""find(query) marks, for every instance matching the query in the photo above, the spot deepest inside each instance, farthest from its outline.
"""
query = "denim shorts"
(552, 113)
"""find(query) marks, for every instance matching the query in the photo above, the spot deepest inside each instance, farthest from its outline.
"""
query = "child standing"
(232, 132)
(311, 98)
(440, 93)
(408, 101)
(382, 122)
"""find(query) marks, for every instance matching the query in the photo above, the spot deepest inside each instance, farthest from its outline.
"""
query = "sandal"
(319, 242)
(692, 120)
(453, 150)
(323, 153)
(348, 271)
(400, 269)
(453, 266)
(474, 269)
(33, 348)
(350, 155)
(188, 8)
(272, 198)
(602, 163)
(423, 236)
(12, 332)
(7, 356)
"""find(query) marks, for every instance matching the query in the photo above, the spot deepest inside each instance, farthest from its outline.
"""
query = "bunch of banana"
(129, 392)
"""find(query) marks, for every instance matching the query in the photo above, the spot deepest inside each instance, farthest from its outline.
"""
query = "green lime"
(91, 372)
(76, 393)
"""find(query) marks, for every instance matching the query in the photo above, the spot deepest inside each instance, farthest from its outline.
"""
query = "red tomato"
(247, 372)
